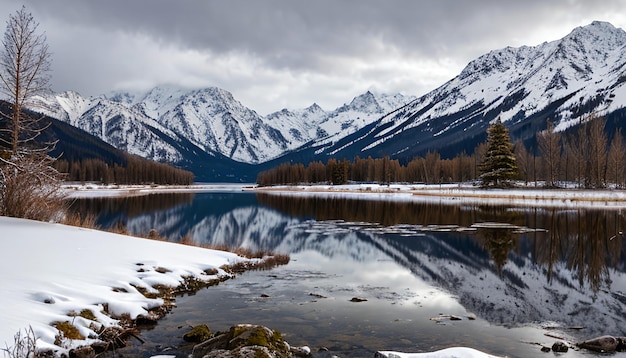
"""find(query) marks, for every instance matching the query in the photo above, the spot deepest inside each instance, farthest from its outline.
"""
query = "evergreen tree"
(499, 165)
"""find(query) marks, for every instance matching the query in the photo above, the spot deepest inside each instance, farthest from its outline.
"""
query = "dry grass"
(187, 240)
(153, 234)
(119, 228)
(29, 194)
(76, 219)
(24, 345)
(67, 330)
(266, 263)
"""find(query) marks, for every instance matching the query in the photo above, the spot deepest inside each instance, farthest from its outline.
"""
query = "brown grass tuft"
(187, 240)
(154, 235)
(119, 228)
(267, 262)
(76, 219)
(67, 330)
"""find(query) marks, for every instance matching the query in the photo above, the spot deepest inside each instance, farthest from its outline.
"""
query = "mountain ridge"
(563, 80)
(211, 118)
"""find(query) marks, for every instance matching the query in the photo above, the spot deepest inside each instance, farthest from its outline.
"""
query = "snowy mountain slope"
(212, 119)
(126, 128)
(563, 80)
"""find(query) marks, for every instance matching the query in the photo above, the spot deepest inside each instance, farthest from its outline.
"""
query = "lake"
(512, 277)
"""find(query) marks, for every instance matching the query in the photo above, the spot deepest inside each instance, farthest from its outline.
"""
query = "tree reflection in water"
(507, 265)
(588, 242)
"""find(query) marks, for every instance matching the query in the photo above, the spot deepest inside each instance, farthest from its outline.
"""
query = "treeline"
(583, 156)
(134, 170)
(429, 169)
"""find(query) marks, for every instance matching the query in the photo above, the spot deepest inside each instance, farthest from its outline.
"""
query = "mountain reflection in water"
(510, 266)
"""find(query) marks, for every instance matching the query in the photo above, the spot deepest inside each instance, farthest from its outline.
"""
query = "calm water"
(524, 273)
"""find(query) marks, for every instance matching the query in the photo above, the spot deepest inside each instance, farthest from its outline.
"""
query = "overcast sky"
(274, 54)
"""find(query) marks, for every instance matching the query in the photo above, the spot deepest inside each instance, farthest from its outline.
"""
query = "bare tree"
(29, 186)
(577, 151)
(24, 68)
(523, 160)
(549, 144)
(616, 160)
(598, 151)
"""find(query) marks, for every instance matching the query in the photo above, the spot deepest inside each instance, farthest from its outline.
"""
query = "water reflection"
(510, 266)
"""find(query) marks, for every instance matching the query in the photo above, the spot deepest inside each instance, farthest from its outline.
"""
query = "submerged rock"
(560, 346)
(358, 299)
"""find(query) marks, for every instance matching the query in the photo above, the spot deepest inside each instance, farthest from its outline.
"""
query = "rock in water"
(198, 334)
(560, 347)
(603, 344)
(244, 340)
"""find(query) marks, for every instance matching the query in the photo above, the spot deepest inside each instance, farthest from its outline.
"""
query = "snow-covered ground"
(50, 270)
(467, 193)
(454, 352)
(75, 190)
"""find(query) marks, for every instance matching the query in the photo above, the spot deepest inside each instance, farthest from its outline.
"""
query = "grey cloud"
(290, 33)
(324, 38)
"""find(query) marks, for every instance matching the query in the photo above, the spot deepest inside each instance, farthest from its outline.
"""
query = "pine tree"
(499, 165)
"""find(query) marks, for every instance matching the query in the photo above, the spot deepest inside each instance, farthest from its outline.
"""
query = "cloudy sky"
(274, 54)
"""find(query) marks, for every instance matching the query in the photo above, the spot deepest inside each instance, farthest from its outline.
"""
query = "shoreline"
(458, 193)
(83, 285)
(465, 194)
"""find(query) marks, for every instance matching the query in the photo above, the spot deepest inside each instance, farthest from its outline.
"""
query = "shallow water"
(523, 273)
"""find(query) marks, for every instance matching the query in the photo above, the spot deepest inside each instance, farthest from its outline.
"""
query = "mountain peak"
(365, 102)
(597, 26)
(314, 108)
(598, 33)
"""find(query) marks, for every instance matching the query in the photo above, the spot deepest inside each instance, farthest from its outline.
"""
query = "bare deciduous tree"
(24, 68)
(577, 152)
(549, 144)
(598, 151)
(29, 186)
(616, 159)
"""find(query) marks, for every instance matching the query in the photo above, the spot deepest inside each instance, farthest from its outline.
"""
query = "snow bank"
(49, 270)
(456, 352)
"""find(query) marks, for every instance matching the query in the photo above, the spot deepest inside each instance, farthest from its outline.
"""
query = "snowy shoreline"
(53, 272)
(464, 194)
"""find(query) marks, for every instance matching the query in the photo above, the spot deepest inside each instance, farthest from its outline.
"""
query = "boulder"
(82, 352)
(603, 344)
(244, 340)
(198, 334)
(243, 352)
(560, 346)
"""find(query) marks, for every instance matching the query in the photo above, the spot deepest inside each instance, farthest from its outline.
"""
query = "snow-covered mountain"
(210, 118)
(563, 80)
